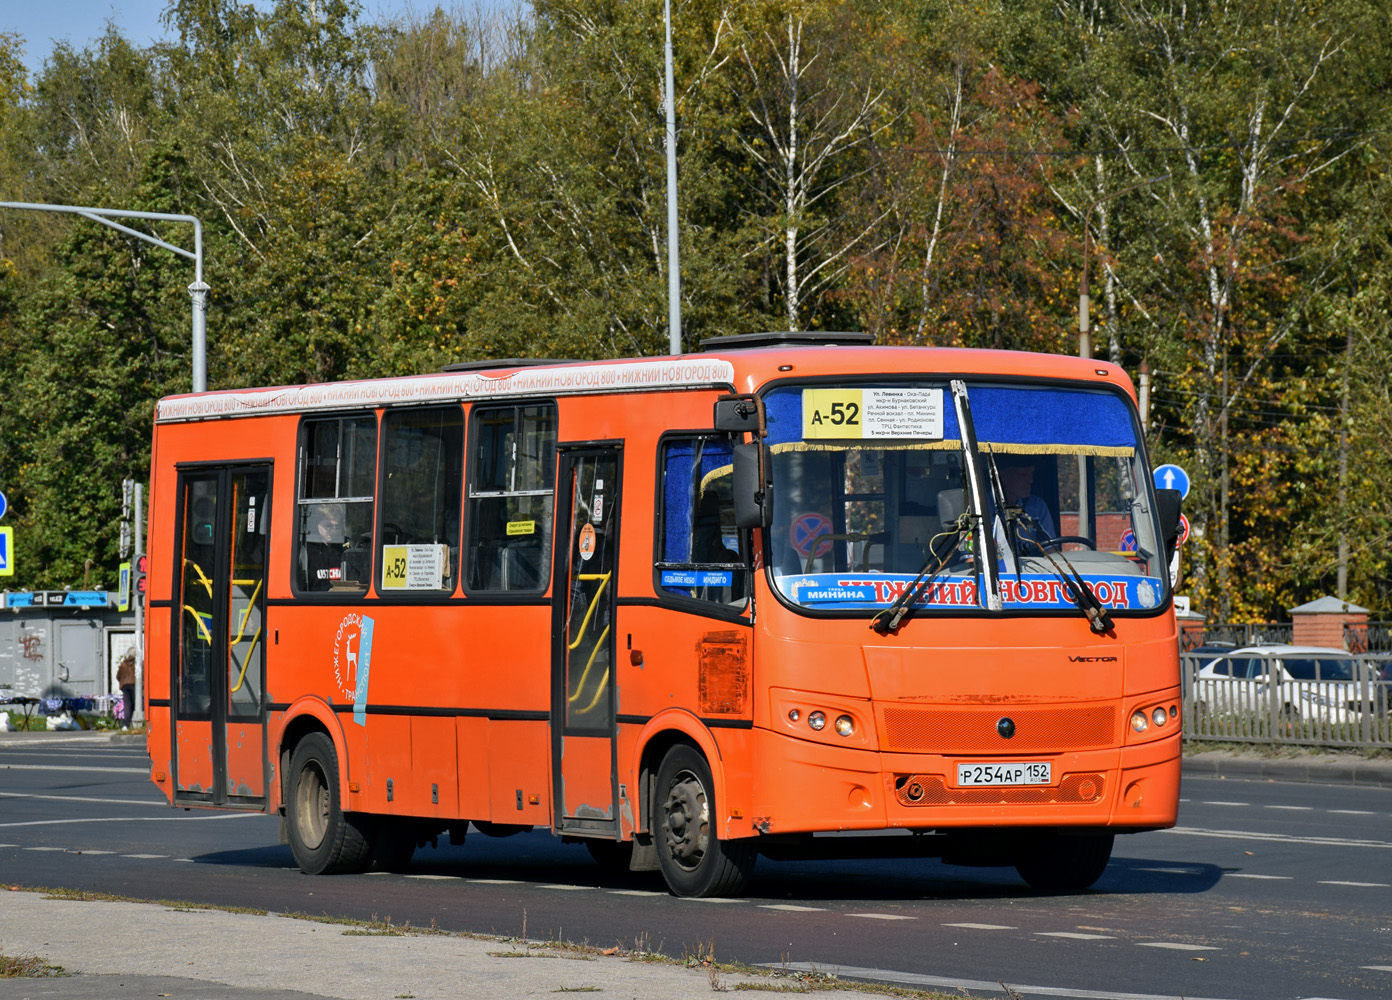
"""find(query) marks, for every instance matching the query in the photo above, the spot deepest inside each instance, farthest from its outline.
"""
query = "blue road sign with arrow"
(1172, 477)
(4, 504)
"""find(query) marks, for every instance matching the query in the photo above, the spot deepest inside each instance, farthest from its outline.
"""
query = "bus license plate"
(1034, 773)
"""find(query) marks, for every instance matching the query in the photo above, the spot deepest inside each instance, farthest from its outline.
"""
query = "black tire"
(694, 860)
(611, 855)
(1051, 862)
(324, 839)
(393, 846)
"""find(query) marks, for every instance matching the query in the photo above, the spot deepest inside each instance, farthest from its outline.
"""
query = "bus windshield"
(873, 490)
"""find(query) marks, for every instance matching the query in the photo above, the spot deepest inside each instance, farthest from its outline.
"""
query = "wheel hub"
(688, 820)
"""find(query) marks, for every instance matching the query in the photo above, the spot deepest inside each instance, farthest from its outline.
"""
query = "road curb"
(1337, 771)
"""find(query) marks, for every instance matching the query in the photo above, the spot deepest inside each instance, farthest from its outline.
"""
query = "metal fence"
(1259, 634)
(1355, 713)
(1368, 637)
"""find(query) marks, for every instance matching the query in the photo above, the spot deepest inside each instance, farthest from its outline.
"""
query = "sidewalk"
(208, 954)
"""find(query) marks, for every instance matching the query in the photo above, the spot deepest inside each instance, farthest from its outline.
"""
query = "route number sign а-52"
(872, 413)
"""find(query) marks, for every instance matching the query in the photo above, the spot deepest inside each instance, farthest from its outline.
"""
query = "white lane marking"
(964, 985)
(635, 892)
(440, 877)
(1353, 812)
(1074, 935)
(87, 770)
(982, 927)
(188, 860)
(177, 817)
(86, 798)
(1367, 885)
(1246, 875)
(1274, 838)
(1292, 808)
(882, 916)
(1377, 968)
(90, 851)
(1176, 946)
(145, 856)
(45, 848)
(710, 899)
(567, 888)
(1217, 803)
(1170, 871)
(493, 881)
(792, 908)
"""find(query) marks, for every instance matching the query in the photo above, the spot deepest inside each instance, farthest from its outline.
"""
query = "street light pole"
(198, 290)
(673, 262)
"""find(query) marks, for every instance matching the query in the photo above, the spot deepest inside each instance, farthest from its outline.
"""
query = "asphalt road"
(1265, 890)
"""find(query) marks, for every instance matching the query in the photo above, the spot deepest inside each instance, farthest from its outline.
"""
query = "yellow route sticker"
(872, 413)
(521, 528)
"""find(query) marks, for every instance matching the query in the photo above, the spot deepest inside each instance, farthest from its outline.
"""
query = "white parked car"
(1295, 682)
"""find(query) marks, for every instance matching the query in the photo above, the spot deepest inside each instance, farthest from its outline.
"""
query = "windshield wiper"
(888, 620)
(1096, 612)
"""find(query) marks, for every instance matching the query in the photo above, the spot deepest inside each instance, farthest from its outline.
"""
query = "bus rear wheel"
(1052, 862)
(694, 860)
(323, 838)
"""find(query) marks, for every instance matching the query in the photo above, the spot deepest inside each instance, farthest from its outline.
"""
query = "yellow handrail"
(594, 601)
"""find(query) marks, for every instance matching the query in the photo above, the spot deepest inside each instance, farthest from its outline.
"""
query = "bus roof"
(743, 370)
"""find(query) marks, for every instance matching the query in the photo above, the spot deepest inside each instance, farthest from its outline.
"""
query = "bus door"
(219, 681)
(583, 699)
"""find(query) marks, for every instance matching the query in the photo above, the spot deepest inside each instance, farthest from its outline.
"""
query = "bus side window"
(698, 549)
(422, 476)
(512, 477)
(333, 529)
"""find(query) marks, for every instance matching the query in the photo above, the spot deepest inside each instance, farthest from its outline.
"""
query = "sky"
(79, 22)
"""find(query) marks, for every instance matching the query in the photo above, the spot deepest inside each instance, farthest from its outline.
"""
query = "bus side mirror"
(739, 414)
(1167, 507)
(753, 463)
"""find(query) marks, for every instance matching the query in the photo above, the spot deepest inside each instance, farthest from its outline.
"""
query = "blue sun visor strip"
(1012, 418)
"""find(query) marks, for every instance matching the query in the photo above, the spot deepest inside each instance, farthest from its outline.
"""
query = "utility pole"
(198, 290)
(1084, 299)
(674, 339)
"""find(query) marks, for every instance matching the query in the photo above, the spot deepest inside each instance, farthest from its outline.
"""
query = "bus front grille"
(975, 730)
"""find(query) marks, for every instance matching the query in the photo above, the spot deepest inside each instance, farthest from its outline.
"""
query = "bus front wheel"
(1052, 862)
(694, 860)
(323, 838)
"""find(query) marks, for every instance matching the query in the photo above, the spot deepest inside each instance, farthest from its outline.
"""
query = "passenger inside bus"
(323, 555)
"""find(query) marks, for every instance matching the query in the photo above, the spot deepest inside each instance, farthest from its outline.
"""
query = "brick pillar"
(1321, 622)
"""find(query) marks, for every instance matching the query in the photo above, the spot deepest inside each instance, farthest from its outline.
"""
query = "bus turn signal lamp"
(844, 725)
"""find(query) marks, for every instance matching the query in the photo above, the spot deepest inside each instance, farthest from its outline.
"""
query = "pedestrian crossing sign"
(6, 551)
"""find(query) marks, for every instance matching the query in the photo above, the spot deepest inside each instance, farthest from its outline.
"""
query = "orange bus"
(686, 610)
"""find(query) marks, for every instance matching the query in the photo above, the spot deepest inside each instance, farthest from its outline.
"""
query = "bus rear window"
(338, 466)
